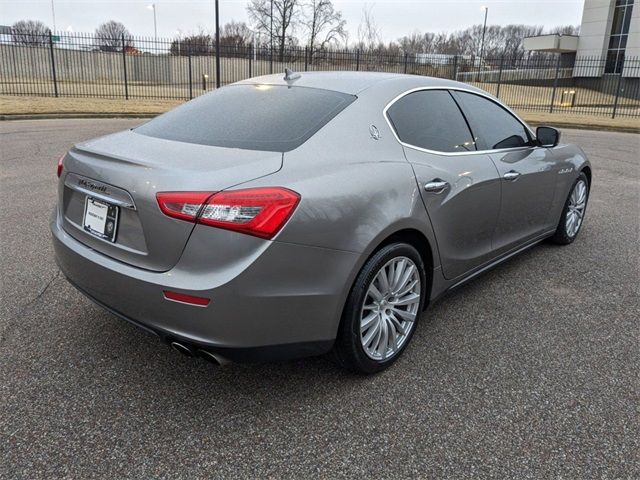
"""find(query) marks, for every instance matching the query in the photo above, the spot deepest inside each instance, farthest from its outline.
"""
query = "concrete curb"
(58, 116)
(87, 115)
(585, 126)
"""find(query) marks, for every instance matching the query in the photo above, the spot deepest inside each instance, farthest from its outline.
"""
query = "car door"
(528, 172)
(460, 187)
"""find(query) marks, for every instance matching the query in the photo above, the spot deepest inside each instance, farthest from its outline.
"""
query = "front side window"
(431, 119)
(253, 117)
(493, 126)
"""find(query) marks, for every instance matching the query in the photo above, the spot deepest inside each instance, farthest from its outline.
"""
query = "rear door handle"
(436, 186)
(511, 175)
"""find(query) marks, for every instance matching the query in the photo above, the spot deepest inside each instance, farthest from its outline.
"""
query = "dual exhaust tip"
(197, 352)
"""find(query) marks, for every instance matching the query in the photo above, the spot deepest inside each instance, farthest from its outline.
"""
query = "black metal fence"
(79, 65)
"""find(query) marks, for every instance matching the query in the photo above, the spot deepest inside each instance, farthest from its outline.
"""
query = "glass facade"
(618, 37)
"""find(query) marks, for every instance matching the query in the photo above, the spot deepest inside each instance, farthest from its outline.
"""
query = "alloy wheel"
(390, 308)
(576, 208)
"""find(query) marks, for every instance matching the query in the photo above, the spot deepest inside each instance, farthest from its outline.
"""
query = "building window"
(619, 34)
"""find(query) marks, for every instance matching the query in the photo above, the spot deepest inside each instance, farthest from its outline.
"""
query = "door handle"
(511, 175)
(436, 186)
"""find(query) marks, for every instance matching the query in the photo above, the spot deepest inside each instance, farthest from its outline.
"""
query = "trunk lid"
(127, 169)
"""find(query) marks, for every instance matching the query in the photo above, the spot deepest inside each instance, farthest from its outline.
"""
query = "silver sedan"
(282, 217)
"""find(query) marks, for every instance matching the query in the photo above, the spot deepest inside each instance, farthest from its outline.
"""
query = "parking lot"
(532, 370)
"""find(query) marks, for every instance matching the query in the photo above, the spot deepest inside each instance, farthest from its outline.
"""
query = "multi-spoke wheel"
(577, 206)
(390, 308)
(573, 214)
(382, 310)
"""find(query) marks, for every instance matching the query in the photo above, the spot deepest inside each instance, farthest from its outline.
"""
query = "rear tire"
(575, 208)
(382, 309)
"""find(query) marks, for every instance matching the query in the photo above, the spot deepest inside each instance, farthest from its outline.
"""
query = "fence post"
(190, 75)
(124, 69)
(406, 57)
(500, 76)
(305, 59)
(53, 65)
(271, 57)
(455, 67)
(217, 45)
(555, 84)
(615, 102)
(251, 53)
(357, 60)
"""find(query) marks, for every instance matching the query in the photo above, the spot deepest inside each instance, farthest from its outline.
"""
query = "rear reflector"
(60, 166)
(255, 211)
(184, 298)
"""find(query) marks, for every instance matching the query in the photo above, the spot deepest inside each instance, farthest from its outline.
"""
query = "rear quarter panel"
(356, 190)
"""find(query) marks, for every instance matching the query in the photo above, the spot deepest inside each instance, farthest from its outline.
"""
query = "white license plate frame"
(100, 219)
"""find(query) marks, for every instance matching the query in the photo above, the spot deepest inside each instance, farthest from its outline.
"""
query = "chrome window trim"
(453, 154)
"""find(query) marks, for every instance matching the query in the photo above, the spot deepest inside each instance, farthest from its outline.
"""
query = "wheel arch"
(587, 171)
(421, 243)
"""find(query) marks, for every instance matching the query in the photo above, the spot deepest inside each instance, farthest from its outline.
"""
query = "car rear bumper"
(285, 302)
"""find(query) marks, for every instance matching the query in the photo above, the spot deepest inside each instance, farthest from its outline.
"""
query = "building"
(610, 30)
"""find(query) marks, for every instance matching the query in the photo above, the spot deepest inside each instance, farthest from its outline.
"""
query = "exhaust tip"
(183, 349)
(212, 357)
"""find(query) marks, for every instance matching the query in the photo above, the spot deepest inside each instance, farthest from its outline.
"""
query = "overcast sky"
(394, 17)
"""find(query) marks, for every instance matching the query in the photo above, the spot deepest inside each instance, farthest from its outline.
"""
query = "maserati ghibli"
(290, 216)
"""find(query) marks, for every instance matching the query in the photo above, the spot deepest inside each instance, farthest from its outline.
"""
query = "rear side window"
(431, 119)
(253, 117)
(493, 126)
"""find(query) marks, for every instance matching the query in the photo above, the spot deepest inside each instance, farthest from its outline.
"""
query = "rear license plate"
(101, 219)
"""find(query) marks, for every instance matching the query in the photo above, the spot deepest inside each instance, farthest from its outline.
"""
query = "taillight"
(60, 166)
(182, 205)
(255, 211)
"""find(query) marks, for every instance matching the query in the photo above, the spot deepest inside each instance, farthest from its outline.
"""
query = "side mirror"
(548, 136)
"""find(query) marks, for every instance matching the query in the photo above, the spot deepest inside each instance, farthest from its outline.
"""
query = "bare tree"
(194, 44)
(285, 17)
(417, 42)
(513, 39)
(325, 25)
(30, 32)
(235, 34)
(109, 36)
(566, 30)
(368, 30)
(507, 41)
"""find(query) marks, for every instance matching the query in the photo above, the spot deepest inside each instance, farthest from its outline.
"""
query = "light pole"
(179, 32)
(255, 41)
(271, 41)
(217, 46)
(53, 14)
(155, 22)
(484, 30)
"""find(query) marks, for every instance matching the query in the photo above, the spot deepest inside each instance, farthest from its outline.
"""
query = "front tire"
(573, 213)
(382, 309)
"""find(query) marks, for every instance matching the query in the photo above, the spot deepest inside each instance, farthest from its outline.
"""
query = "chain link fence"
(80, 65)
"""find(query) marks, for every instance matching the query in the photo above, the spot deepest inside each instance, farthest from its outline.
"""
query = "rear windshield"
(253, 117)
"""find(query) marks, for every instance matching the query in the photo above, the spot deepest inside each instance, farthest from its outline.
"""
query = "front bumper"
(283, 302)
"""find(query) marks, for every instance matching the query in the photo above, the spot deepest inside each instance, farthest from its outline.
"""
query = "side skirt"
(446, 286)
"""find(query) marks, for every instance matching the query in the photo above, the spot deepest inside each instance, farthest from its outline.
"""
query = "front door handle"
(436, 186)
(511, 175)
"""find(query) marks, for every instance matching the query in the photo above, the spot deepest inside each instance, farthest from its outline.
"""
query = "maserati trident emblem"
(375, 133)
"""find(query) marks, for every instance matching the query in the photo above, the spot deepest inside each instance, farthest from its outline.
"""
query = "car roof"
(355, 82)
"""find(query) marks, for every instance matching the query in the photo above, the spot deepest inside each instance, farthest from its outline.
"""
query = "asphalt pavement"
(530, 371)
